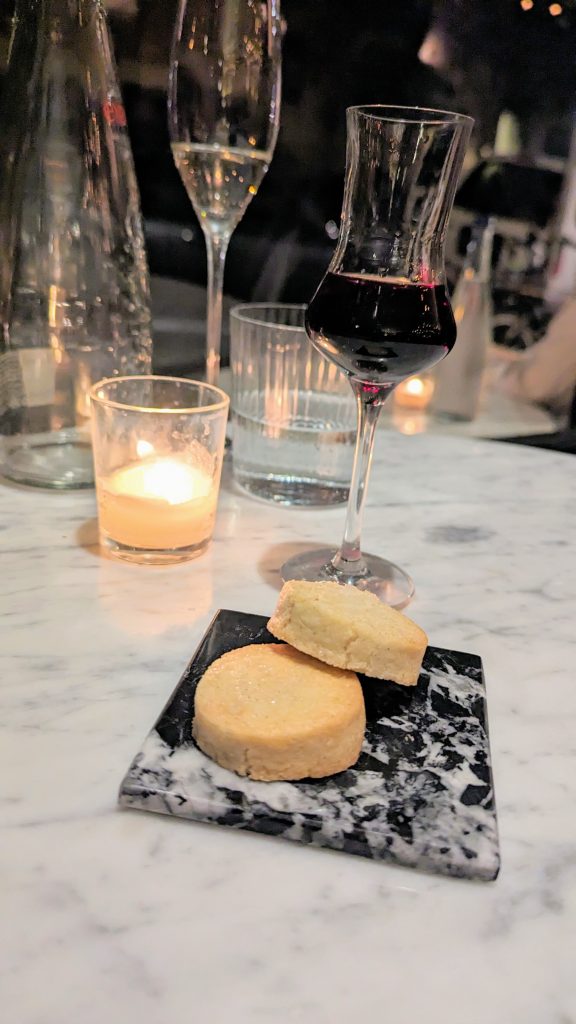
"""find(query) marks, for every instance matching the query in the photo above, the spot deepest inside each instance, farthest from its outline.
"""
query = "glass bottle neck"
(43, 31)
(51, 20)
(70, 10)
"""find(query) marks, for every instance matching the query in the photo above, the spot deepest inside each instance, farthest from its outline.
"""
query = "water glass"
(294, 417)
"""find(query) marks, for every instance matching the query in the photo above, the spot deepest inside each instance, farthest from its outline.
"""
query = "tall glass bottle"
(459, 377)
(73, 279)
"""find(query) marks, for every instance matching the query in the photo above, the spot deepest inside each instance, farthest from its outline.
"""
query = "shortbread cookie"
(351, 629)
(272, 713)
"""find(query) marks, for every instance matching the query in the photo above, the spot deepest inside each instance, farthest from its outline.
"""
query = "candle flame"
(144, 448)
(414, 393)
(414, 386)
(163, 479)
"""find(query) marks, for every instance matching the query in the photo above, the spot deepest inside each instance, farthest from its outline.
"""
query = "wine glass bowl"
(381, 330)
(224, 109)
(382, 311)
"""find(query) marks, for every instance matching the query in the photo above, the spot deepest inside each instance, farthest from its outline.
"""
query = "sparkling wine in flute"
(380, 330)
(223, 117)
(220, 182)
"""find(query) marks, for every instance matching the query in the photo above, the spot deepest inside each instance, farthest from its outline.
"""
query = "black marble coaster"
(420, 795)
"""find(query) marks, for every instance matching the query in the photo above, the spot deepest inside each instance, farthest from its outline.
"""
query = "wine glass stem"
(216, 248)
(349, 558)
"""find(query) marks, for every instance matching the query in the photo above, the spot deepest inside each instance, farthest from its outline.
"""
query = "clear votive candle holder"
(158, 449)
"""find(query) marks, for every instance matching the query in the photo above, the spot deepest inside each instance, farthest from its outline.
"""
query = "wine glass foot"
(388, 581)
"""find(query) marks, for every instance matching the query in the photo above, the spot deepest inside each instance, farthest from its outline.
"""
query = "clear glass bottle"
(458, 378)
(74, 303)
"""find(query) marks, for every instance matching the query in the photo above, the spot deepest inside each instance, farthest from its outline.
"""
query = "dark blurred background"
(508, 63)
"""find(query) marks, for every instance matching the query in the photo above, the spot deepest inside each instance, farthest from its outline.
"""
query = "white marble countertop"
(112, 916)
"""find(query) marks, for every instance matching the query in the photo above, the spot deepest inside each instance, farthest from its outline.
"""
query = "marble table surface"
(113, 916)
(499, 416)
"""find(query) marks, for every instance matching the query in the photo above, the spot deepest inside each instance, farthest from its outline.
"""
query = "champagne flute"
(224, 110)
(382, 312)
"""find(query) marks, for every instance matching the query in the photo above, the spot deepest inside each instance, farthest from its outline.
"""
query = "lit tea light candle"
(158, 447)
(414, 393)
(159, 503)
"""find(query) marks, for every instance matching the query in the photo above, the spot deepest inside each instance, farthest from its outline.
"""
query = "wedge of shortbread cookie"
(349, 628)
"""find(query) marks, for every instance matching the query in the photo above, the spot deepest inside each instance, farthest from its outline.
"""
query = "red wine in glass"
(380, 330)
(382, 313)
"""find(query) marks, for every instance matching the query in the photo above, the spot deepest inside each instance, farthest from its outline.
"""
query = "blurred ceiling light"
(555, 10)
(433, 50)
(526, 5)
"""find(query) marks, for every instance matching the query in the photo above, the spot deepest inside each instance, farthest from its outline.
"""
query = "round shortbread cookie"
(273, 713)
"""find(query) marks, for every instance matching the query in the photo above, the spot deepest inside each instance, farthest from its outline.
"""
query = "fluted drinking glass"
(224, 110)
(382, 312)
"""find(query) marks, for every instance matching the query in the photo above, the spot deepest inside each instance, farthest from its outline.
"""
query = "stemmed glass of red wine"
(382, 312)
